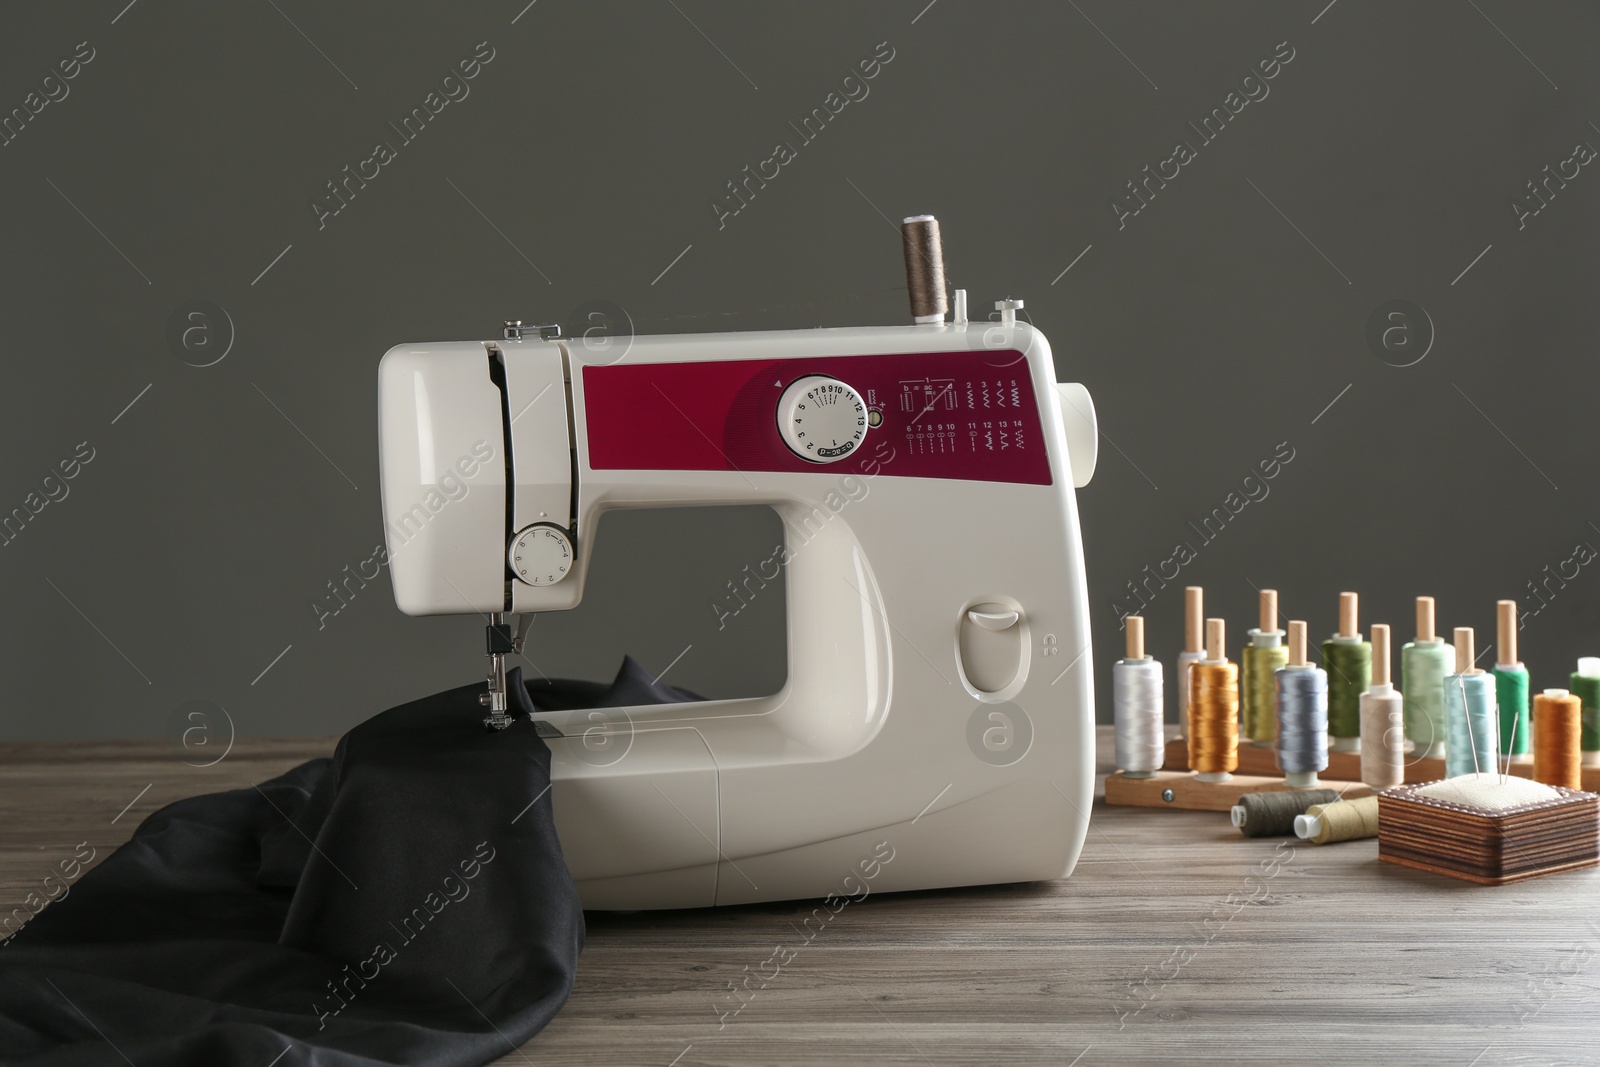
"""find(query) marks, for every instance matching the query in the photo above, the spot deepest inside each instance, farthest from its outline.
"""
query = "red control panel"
(963, 415)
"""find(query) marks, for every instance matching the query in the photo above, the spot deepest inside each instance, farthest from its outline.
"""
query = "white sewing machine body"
(939, 689)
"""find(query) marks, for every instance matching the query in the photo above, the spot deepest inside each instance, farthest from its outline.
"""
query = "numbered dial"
(540, 554)
(822, 419)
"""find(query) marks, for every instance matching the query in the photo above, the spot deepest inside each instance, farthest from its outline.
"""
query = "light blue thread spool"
(1471, 724)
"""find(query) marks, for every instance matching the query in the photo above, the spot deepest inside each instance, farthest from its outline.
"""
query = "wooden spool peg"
(1297, 644)
(1194, 619)
(1425, 630)
(1506, 617)
(1133, 627)
(1380, 656)
(1465, 652)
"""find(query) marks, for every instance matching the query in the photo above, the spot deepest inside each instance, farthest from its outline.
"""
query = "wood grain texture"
(1189, 794)
(1176, 940)
(1346, 766)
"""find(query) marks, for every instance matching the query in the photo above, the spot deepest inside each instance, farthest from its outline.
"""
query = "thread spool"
(1272, 814)
(1471, 719)
(1194, 650)
(1585, 685)
(1423, 666)
(1136, 702)
(1557, 724)
(1214, 709)
(924, 253)
(1301, 700)
(1510, 682)
(1262, 655)
(1383, 737)
(1348, 660)
(1343, 820)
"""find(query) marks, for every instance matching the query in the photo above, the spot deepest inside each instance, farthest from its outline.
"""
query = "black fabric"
(405, 902)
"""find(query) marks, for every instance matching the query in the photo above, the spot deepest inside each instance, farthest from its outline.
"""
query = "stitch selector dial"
(821, 419)
(541, 554)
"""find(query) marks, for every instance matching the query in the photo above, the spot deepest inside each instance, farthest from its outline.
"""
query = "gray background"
(1223, 319)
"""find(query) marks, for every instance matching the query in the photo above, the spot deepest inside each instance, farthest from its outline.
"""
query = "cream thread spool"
(1137, 707)
(1383, 740)
(1214, 707)
(1194, 650)
(1343, 820)
(1262, 656)
(1302, 710)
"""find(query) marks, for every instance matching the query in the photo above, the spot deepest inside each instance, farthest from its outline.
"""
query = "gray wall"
(1220, 320)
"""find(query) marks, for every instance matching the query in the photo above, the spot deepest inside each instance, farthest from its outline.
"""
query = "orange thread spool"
(1557, 722)
(1214, 707)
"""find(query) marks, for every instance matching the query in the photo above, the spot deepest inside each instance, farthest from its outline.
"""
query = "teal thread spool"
(1585, 685)
(1471, 722)
(1258, 717)
(1423, 666)
(1510, 683)
(1511, 695)
(1348, 660)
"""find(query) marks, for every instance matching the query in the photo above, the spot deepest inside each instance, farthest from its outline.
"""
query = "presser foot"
(501, 642)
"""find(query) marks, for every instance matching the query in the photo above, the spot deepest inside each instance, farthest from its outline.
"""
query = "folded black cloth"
(405, 902)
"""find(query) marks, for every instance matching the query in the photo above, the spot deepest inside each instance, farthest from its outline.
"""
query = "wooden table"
(1176, 940)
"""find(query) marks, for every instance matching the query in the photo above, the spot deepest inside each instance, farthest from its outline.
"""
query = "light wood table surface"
(1175, 941)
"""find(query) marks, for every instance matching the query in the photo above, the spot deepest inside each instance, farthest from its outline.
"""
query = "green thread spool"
(1257, 696)
(1511, 690)
(1510, 682)
(1349, 666)
(1348, 661)
(1585, 685)
(1272, 814)
(1423, 665)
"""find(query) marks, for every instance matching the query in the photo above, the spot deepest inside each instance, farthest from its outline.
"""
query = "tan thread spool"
(1343, 820)
(1383, 736)
(1557, 725)
(1214, 709)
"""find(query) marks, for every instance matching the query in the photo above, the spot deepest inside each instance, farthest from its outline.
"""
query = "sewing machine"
(938, 707)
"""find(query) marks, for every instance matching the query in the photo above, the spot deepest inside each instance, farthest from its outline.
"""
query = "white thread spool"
(1383, 734)
(1136, 687)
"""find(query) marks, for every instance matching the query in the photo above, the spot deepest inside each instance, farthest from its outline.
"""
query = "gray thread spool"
(1273, 814)
(1302, 692)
